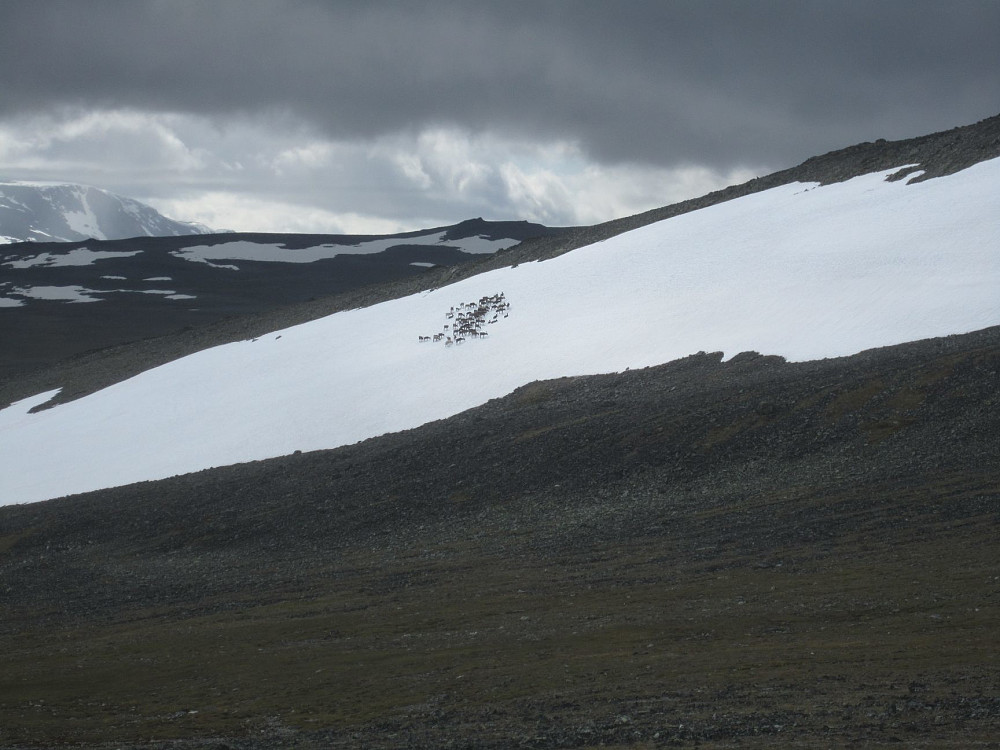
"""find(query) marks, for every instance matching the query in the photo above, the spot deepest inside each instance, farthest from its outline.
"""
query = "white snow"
(479, 245)
(17, 413)
(802, 271)
(168, 293)
(80, 256)
(244, 250)
(84, 221)
(73, 293)
(76, 293)
(70, 208)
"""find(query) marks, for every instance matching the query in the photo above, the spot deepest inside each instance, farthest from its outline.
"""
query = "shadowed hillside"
(933, 155)
(740, 553)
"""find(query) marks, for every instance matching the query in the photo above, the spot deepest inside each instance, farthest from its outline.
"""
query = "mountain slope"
(929, 156)
(61, 300)
(50, 335)
(802, 270)
(64, 212)
(717, 551)
(750, 553)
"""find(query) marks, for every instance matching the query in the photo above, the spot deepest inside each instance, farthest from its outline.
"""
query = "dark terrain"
(43, 333)
(733, 554)
(750, 553)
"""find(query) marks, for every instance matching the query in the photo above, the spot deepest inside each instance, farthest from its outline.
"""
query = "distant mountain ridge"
(67, 212)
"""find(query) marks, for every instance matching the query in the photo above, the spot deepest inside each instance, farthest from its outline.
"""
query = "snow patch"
(57, 293)
(806, 274)
(17, 413)
(278, 253)
(80, 256)
(84, 221)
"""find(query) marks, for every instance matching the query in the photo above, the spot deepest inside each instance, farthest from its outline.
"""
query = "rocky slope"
(746, 553)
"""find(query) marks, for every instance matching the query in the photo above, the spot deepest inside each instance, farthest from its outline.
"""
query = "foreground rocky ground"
(727, 554)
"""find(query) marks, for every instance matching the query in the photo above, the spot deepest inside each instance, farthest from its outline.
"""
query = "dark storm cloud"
(707, 82)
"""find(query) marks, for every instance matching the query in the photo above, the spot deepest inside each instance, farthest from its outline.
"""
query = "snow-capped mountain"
(802, 270)
(64, 212)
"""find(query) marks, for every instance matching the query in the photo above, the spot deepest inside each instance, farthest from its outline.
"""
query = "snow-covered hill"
(63, 212)
(801, 270)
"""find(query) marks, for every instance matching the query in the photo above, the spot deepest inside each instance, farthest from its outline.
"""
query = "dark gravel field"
(740, 553)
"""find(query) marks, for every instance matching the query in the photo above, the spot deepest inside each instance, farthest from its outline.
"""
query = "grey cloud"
(712, 82)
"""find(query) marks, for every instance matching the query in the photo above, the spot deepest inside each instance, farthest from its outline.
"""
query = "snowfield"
(802, 270)
(80, 256)
(243, 250)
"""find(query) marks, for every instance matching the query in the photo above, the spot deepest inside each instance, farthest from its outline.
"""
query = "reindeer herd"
(469, 320)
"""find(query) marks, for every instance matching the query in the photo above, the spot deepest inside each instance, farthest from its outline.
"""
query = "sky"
(372, 117)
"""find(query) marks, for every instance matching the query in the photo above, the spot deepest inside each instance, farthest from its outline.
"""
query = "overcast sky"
(377, 117)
